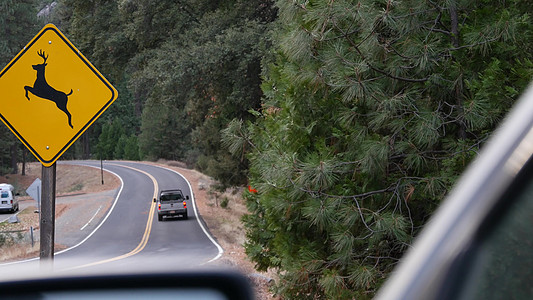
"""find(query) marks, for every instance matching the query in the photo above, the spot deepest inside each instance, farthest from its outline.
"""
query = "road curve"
(130, 237)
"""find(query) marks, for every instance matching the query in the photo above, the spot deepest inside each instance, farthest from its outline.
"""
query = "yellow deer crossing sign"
(50, 94)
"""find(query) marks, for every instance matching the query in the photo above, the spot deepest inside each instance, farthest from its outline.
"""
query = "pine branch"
(475, 45)
(437, 30)
(391, 188)
(356, 47)
(395, 77)
(186, 8)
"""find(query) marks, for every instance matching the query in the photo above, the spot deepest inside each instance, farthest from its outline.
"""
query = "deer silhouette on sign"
(42, 89)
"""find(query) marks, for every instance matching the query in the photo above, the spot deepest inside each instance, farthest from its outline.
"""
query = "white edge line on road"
(220, 250)
(105, 218)
(87, 224)
(93, 232)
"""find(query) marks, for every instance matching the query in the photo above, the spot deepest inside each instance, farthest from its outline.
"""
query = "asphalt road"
(131, 238)
(6, 215)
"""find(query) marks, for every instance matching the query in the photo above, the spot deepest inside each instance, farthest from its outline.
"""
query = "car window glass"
(5, 195)
(502, 264)
(170, 197)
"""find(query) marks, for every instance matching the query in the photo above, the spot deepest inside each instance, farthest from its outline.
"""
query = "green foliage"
(18, 24)
(183, 71)
(224, 202)
(111, 141)
(131, 148)
(95, 27)
(199, 80)
(371, 111)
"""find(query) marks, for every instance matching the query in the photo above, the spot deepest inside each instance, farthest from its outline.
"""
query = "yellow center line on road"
(144, 240)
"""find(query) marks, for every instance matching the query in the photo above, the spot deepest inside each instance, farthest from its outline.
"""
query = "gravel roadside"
(79, 196)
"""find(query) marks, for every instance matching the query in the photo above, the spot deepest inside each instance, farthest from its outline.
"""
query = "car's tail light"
(11, 201)
(184, 204)
(159, 206)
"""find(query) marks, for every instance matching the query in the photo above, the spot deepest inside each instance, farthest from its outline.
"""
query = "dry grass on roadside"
(229, 207)
(70, 179)
(15, 238)
(224, 220)
(19, 251)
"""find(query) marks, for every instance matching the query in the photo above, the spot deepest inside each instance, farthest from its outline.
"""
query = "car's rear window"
(5, 194)
(170, 197)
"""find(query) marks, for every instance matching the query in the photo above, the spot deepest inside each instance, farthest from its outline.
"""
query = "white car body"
(8, 200)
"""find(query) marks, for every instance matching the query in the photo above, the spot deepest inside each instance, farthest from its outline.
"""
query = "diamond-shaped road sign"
(50, 94)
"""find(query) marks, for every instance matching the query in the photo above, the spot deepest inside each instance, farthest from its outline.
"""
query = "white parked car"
(8, 200)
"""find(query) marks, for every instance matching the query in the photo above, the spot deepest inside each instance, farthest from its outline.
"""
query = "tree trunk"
(14, 161)
(459, 84)
(86, 145)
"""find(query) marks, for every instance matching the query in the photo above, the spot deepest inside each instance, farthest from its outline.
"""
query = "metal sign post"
(48, 205)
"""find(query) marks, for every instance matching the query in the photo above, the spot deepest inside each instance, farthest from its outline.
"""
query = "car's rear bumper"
(173, 212)
(6, 208)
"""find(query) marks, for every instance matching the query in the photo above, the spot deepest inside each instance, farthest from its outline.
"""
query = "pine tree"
(199, 79)
(97, 29)
(131, 149)
(371, 111)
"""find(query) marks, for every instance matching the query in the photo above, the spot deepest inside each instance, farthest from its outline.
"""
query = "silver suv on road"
(171, 203)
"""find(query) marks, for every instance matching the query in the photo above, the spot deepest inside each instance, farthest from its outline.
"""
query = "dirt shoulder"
(72, 182)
